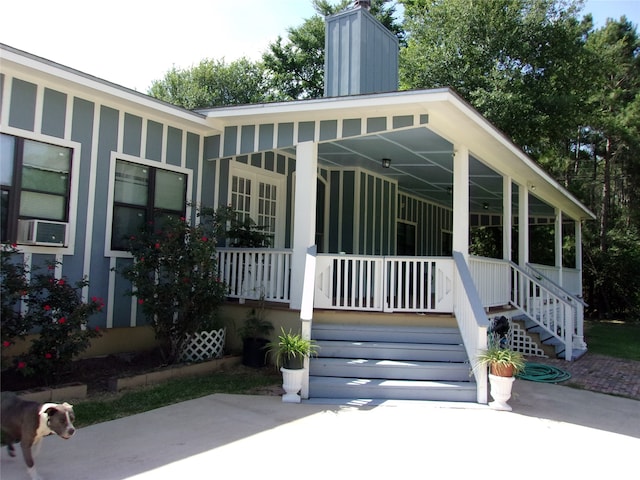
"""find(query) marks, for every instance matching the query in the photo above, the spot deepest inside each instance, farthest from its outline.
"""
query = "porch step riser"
(326, 387)
(392, 351)
(442, 336)
(386, 369)
(383, 362)
(545, 338)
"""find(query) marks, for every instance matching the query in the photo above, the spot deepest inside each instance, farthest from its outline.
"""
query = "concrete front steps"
(358, 362)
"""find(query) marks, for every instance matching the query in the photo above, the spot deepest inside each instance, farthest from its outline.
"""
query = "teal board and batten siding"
(431, 221)
(59, 115)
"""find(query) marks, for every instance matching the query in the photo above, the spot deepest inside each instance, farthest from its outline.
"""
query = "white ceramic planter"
(292, 384)
(500, 391)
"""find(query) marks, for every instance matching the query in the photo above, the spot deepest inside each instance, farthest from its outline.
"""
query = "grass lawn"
(173, 391)
(613, 338)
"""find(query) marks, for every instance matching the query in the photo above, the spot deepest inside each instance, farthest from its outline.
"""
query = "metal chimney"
(366, 4)
(361, 55)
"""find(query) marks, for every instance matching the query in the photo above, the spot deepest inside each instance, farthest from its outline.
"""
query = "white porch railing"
(252, 273)
(390, 284)
(551, 309)
(472, 320)
(570, 280)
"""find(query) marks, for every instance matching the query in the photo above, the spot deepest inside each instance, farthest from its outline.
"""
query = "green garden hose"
(538, 372)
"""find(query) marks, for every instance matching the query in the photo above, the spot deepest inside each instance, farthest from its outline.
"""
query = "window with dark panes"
(35, 182)
(144, 194)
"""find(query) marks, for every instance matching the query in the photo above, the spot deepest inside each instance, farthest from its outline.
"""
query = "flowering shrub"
(14, 286)
(54, 310)
(175, 278)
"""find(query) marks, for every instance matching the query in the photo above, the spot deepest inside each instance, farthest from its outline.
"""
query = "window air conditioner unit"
(42, 232)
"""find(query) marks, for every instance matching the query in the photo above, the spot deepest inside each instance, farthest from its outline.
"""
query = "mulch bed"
(94, 372)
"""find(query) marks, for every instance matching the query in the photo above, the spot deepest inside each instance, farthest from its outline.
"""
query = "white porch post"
(461, 200)
(558, 245)
(507, 218)
(304, 216)
(523, 225)
(578, 341)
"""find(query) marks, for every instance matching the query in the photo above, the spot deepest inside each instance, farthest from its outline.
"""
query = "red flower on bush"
(22, 365)
(48, 356)
(157, 246)
(204, 239)
(47, 307)
(140, 301)
(61, 281)
(6, 343)
(62, 321)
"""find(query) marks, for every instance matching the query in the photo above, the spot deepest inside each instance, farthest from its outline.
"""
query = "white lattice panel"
(523, 343)
(204, 346)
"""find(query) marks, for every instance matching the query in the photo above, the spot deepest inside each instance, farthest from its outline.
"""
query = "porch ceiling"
(422, 164)
(421, 156)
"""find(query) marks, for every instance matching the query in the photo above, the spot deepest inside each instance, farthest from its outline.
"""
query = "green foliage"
(519, 62)
(175, 278)
(212, 83)
(241, 230)
(496, 354)
(256, 324)
(54, 309)
(14, 287)
(291, 347)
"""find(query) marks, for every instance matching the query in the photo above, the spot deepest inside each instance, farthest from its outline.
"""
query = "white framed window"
(260, 195)
(38, 189)
(143, 192)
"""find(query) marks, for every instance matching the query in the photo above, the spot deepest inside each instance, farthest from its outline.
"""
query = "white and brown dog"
(29, 422)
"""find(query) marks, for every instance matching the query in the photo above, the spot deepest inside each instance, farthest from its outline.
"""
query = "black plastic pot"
(294, 363)
(254, 352)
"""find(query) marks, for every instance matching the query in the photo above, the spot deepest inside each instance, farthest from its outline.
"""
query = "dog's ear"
(50, 411)
(68, 406)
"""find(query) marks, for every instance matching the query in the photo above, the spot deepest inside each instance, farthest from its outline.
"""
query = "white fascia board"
(493, 147)
(34, 67)
(381, 104)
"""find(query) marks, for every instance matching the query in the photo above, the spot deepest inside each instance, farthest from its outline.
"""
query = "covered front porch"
(398, 235)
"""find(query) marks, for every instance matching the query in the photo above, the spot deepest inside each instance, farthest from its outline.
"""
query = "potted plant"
(290, 351)
(174, 275)
(254, 334)
(504, 364)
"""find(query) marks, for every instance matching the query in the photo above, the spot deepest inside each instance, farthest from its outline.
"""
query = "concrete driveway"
(552, 431)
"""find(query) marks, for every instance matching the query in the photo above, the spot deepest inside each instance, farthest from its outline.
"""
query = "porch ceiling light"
(386, 162)
(485, 206)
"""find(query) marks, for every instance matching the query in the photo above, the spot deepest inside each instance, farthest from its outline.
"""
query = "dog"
(29, 422)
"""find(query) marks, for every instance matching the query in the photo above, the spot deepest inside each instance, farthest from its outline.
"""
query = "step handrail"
(566, 311)
(561, 290)
(472, 321)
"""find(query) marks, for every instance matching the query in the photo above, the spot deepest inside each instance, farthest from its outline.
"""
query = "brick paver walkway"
(600, 373)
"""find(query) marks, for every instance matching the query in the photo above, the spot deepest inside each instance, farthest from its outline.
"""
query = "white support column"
(558, 245)
(461, 200)
(523, 225)
(578, 235)
(304, 215)
(507, 218)
(579, 337)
